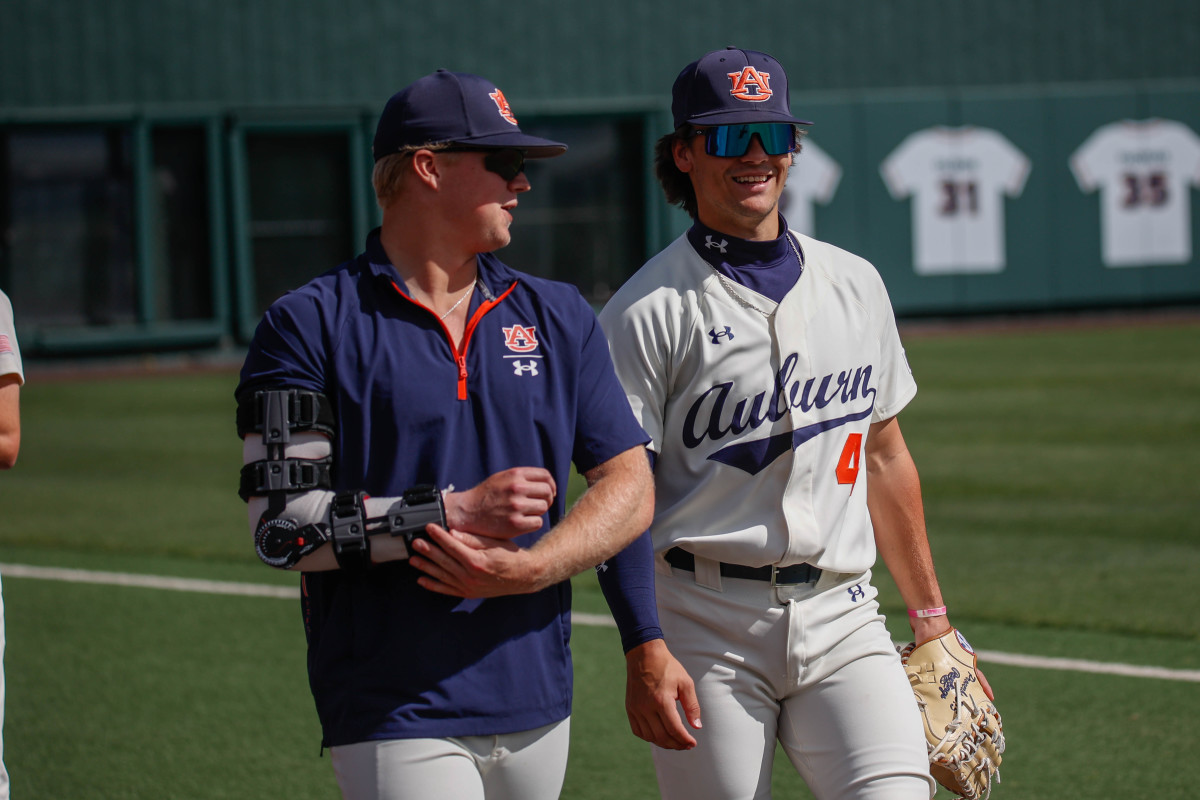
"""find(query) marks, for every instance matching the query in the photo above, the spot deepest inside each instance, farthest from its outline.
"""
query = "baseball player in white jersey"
(11, 377)
(767, 369)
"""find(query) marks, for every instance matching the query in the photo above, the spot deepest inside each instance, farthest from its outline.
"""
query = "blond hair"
(391, 171)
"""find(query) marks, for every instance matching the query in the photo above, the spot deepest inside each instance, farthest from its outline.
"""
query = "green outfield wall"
(168, 168)
(1051, 227)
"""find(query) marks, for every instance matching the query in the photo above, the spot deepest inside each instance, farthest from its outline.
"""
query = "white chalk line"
(238, 588)
(147, 581)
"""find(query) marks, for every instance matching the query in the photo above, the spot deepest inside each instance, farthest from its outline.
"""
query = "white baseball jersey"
(748, 403)
(813, 178)
(1145, 171)
(10, 353)
(958, 178)
(10, 364)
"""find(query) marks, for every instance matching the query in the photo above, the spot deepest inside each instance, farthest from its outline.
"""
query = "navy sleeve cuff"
(627, 580)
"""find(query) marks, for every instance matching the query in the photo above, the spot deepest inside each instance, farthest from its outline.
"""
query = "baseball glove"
(963, 731)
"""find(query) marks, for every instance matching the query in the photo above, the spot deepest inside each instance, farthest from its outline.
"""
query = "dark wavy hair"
(677, 186)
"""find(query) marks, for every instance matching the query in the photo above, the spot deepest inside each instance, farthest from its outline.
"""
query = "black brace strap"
(422, 505)
(277, 413)
(351, 530)
(285, 475)
(348, 523)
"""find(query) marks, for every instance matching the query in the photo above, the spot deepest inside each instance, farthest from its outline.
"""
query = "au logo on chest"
(520, 339)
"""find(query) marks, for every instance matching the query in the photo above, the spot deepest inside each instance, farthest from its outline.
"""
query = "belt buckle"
(785, 593)
(780, 590)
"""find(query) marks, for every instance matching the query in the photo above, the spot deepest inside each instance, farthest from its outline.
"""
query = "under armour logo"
(710, 244)
(520, 368)
(716, 335)
(856, 592)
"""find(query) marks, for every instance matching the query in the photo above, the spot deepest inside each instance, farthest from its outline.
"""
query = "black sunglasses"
(507, 162)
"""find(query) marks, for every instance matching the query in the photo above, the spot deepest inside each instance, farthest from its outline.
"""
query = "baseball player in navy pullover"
(408, 419)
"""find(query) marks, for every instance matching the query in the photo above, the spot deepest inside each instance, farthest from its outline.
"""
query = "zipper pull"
(461, 360)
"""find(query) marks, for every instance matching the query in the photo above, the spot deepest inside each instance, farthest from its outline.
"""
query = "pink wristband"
(925, 613)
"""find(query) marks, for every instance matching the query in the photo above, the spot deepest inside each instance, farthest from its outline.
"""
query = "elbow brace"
(276, 415)
(286, 420)
(350, 528)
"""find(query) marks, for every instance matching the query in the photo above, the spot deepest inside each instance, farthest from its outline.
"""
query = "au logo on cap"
(750, 84)
(502, 104)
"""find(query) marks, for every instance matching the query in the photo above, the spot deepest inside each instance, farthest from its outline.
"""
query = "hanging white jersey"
(1144, 171)
(958, 178)
(813, 178)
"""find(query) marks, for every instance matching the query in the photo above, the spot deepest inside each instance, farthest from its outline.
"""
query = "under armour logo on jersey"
(856, 592)
(750, 84)
(717, 335)
(520, 339)
(530, 368)
(502, 104)
(710, 244)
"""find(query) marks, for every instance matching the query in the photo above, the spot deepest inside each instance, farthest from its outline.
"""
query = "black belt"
(797, 573)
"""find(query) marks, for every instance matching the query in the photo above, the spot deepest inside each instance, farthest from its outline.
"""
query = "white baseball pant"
(810, 665)
(529, 765)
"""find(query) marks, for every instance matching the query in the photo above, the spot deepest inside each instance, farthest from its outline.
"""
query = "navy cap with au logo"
(454, 107)
(732, 87)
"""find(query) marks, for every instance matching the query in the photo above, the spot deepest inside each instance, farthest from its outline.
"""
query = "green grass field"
(1060, 478)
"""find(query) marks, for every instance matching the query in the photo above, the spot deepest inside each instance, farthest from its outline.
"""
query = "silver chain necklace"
(743, 302)
(459, 302)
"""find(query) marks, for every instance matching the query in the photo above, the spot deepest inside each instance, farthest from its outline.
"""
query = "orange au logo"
(750, 84)
(520, 339)
(502, 104)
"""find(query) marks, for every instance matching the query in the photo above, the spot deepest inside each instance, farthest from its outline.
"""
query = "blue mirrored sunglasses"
(729, 141)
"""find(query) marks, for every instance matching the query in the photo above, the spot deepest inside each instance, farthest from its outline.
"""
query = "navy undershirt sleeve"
(627, 580)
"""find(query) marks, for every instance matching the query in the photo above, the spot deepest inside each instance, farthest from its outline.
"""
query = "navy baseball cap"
(454, 107)
(732, 87)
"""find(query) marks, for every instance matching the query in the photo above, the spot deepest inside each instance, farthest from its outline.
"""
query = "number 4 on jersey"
(851, 460)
